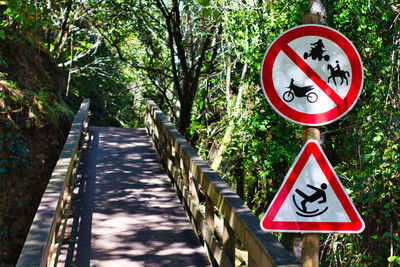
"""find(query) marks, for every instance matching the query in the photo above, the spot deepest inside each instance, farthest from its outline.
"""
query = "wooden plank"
(192, 207)
(210, 213)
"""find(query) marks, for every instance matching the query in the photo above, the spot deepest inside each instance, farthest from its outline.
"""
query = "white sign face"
(312, 75)
(312, 199)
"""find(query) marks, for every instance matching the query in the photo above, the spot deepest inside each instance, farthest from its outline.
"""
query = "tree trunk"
(236, 109)
(319, 8)
(185, 115)
(239, 177)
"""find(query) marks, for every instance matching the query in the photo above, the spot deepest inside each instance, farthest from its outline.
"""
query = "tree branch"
(177, 36)
(168, 22)
(63, 27)
(163, 92)
(199, 63)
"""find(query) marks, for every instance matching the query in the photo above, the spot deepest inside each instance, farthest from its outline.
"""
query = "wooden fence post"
(229, 241)
(210, 213)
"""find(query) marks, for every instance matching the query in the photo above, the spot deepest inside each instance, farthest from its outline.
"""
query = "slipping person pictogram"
(319, 194)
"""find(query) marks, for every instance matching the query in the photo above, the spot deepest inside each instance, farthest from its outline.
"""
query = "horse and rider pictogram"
(312, 75)
(317, 52)
(337, 72)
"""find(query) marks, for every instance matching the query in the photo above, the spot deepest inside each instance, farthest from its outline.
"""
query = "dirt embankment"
(33, 127)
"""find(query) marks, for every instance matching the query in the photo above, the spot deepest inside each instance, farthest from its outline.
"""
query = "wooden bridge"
(110, 202)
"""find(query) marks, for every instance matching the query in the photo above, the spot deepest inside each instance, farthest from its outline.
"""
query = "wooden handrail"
(44, 239)
(194, 179)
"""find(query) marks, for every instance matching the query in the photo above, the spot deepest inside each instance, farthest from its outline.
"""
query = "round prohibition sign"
(300, 81)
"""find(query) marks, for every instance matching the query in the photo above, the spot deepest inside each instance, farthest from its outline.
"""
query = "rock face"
(34, 123)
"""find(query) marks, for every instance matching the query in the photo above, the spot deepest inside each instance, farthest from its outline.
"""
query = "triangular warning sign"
(312, 199)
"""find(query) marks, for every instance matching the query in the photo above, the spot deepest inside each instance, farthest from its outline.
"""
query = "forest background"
(200, 61)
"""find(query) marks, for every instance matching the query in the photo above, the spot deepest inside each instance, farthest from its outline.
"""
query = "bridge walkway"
(125, 211)
(121, 210)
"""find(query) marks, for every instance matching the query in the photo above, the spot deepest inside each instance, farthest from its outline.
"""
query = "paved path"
(125, 212)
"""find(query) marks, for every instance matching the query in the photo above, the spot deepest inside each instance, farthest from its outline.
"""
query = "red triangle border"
(356, 224)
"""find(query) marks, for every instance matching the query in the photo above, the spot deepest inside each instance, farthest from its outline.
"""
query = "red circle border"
(303, 118)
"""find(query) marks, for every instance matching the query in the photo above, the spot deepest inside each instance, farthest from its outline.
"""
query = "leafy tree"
(174, 47)
(239, 136)
(362, 146)
(200, 61)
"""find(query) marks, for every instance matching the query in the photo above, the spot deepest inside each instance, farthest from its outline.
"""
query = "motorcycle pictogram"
(299, 91)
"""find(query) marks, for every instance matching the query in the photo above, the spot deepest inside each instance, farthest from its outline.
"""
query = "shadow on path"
(125, 212)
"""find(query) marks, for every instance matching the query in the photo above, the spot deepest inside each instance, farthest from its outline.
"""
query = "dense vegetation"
(200, 61)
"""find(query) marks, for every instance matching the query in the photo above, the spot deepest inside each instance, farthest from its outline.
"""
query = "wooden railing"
(195, 183)
(43, 244)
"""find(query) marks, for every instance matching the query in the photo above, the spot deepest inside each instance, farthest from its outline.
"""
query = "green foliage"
(14, 147)
(114, 99)
(363, 146)
(262, 144)
(119, 52)
(22, 17)
(31, 133)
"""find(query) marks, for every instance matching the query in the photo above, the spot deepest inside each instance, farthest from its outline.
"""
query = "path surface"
(125, 212)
